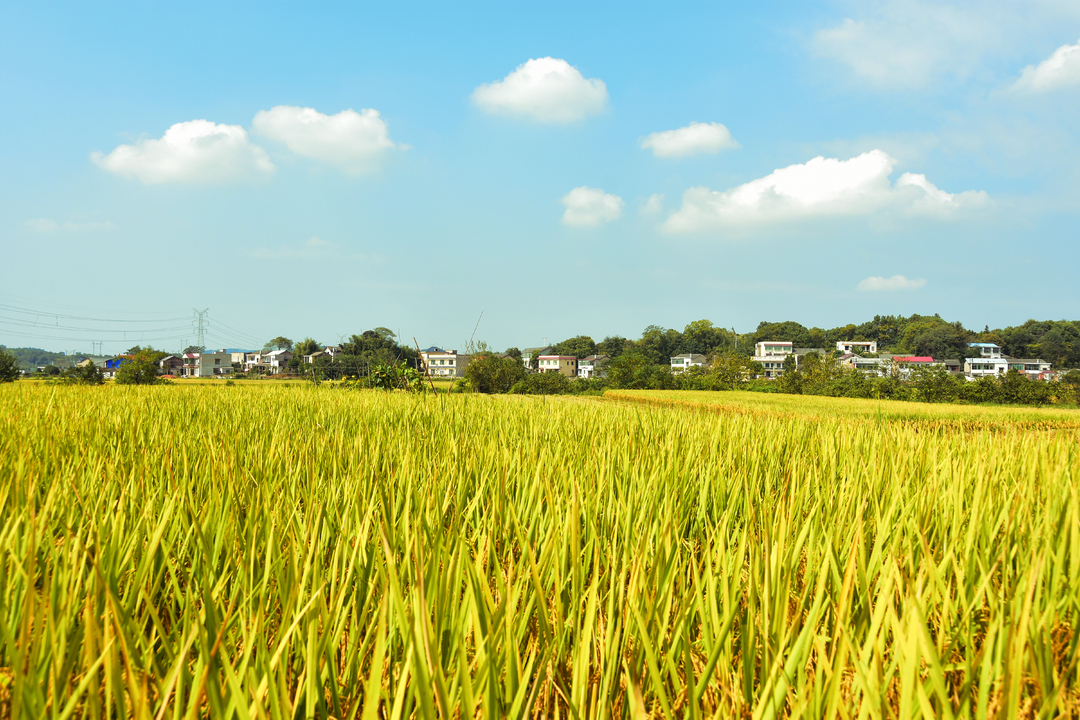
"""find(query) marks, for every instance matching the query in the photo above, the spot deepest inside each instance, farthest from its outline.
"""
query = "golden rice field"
(264, 551)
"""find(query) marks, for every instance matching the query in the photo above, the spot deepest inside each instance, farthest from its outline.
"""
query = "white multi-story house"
(857, 346)
(977, 367)
(444, 363)
(565, 364)
(986, 361)
(1033, 368)
(986, 350)
(771, 354)
(593, 366)
(682, 363)
(278, 361)
(207, 364)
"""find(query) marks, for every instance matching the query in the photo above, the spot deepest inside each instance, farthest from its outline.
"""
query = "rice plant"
(300, 552)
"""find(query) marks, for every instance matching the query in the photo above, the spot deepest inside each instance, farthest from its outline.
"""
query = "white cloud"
(546, 89)
(907, 44)
(896, 282)
(196, 151)
(355, 141)
(822, 187)
(1062, 68)
(45, 225)
(653, 205)
(694, 139)
(591, 206)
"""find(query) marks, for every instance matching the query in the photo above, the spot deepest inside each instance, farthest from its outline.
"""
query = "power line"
(26, 302)
(64, 316)
(240, 333)
(26, 323)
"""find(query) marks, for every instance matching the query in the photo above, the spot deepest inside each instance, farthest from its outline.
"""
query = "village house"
(770, 355)
(444, 363)
(528, 354)
(206, 364)
(682, 363)
(171, 365)
(857, 346)
(593, 366)
(565, 364)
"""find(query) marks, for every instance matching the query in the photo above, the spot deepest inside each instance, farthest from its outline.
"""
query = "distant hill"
(30, 358)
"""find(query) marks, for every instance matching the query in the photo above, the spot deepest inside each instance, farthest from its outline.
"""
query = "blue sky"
(563, 168)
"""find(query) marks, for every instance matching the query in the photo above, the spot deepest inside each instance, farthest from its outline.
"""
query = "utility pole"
(200, 323)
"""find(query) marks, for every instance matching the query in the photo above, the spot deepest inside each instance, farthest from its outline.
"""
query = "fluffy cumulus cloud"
(547, 89)
(591, 206)
(822, 187)
(196, 151)
(896, 282)
(1062, 68)
(694, 139)
(354, 141)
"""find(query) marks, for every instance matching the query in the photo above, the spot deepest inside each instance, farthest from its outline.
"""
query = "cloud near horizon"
(694, 139)
(1061, 69)
(354, 141)
(548, 90)
(586, 206)
(896, 282)
(196, 151)
(821, 187)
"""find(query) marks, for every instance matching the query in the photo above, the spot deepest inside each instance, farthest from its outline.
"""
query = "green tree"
(89, 374)
(491, 374)
(943, 341)
(548, 383)
(140, 370)
(9, 366)
(1071, 381)
(934, 384)
(278, 343)
(613, 346)
(658, 344)
(637, 371)
(307, 346)
(728, 371)
(580, 346)
(797, 334)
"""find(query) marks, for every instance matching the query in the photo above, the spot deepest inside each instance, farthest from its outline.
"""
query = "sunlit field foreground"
(242, 552)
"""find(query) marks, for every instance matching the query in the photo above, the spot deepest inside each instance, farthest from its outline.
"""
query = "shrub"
(9, 366)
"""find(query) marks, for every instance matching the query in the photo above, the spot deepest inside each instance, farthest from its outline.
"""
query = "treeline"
(817, 375)
(1057, 341)
(32, 358)
(359, 356)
